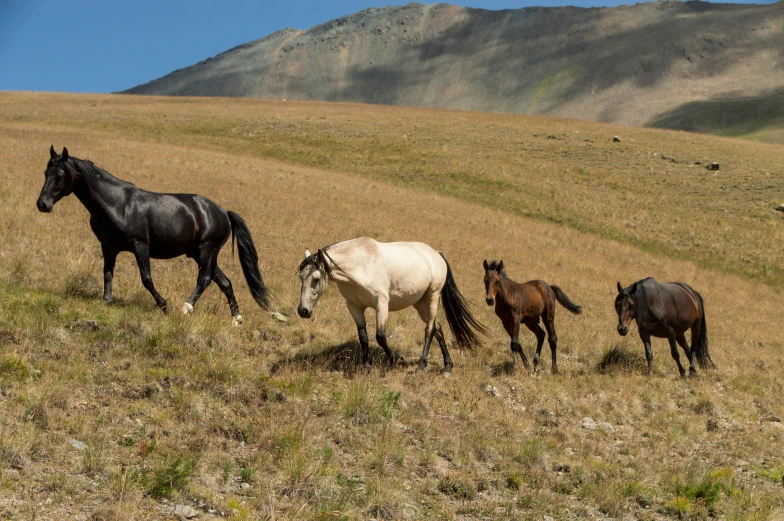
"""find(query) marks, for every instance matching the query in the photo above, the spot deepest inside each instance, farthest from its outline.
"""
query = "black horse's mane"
(493, 266)
(643, 314)
(84, 170)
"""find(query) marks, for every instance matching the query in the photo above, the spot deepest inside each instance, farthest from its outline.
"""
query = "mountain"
(690, 65)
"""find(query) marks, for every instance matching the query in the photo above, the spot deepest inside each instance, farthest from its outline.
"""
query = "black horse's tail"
(700, 345)
(563, 300)
(249, 259)
(462, 323)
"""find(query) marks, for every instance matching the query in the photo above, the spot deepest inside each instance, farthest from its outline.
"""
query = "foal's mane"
(493, 266)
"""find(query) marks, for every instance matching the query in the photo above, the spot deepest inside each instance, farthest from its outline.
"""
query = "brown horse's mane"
(643, 315)
(493, 266)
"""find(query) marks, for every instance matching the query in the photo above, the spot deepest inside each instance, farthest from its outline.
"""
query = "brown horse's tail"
(700, 345)
(462, 323)
(563, 300)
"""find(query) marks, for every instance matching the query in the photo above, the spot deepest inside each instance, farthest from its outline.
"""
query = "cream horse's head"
(313, 272)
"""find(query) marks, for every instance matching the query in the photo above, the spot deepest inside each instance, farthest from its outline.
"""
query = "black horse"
(666, 310)
(154, 225)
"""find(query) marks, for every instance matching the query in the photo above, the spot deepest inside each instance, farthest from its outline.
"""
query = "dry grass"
(176, 409)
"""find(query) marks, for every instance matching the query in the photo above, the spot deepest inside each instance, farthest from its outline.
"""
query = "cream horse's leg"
(358, 313)
(382, 314)
(427, 309)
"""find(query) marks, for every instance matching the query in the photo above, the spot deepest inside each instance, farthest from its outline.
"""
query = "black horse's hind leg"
(539, 332)
(207, 265)
(142, 253)
(690, 354)
(552, 339)
(224, 284)
(444, 351)
(646, 341)
(675, 355)
(109, 260)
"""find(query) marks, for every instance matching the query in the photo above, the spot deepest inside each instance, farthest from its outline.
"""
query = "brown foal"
(525, 303)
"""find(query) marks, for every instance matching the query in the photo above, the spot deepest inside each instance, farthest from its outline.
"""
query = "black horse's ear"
(52, 153)
(65, 153)
(634, 288)
(487, 267)
(620, 288)
(500, 267)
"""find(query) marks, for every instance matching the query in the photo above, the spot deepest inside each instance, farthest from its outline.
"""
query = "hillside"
(120, 412)
(643, 64)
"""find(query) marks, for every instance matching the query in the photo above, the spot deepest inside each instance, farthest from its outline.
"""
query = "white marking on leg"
(187, 309)
(236, 321)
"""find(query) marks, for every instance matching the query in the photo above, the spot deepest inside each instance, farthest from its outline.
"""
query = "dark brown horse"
(666, 310)
(525, 303)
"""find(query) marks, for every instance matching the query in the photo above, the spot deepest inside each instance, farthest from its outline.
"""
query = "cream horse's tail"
(462, 323)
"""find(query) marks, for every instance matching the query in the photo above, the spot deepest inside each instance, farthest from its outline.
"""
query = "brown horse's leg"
(681, 338)
(552, 339)
(675, 355)
(539, 332)
(513, 328)
(646, 341)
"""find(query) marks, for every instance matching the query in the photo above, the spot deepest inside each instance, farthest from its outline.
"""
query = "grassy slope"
(560, 171)
(280, 404)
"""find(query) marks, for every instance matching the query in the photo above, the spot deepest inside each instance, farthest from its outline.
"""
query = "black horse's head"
(58, 180)
(625, 304)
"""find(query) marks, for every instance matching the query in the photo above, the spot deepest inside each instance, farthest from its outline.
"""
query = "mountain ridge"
(634, 64)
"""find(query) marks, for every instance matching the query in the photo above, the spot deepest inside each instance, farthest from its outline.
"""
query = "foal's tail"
(249, 259)
(462, 323)
(563, 300)
(700, 345)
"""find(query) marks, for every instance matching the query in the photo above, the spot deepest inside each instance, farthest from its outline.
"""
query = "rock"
(85, 325)
(780, 208)
(616, 139)
(492, 389)
(588, 423)
(185, 511)
(280, 317)
(670, 159)
(76, 444)
(548, 518)
(712, 166)
(15, 460)
(606, 426)
(244, 486)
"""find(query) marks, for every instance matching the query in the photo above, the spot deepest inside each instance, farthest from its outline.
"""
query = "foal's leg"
(681, 339)
(514, 333)
(358, 314)
(207, 264)
(539, 332)
(382, 313)
(646, 341)
(142, 253)
(109, 259)
(675, 355)
(552, 339)
(224, 284)
(427, 308)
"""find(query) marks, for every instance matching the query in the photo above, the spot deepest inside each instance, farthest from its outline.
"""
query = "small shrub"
(82, 285)
(36, 414)
(170, 478)
(514, 480)
(226, 473)
(246, 474)
(15, 368)
(456, 489)
(617, 358)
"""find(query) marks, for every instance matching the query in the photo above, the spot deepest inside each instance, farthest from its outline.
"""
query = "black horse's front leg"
(109, 260)
(142, 253)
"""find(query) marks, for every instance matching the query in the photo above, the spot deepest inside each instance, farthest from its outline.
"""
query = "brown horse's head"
(494, 271)
(625, 306)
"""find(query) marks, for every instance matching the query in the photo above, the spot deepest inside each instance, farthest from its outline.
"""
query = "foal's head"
(58, 181)
(625, 306)
(494, 272)
(314, 273)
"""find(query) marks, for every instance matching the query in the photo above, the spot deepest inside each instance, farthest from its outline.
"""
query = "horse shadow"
(345, 357)
(506, 368)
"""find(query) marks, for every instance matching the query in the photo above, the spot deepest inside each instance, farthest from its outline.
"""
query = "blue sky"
(111, 45)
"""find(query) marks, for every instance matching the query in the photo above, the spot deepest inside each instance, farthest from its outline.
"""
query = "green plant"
(170, 478)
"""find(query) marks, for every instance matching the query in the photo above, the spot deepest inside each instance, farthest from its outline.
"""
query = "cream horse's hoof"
(236, 321)
(187, 309)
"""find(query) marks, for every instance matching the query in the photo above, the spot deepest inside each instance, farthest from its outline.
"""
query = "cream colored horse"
(389, 277)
